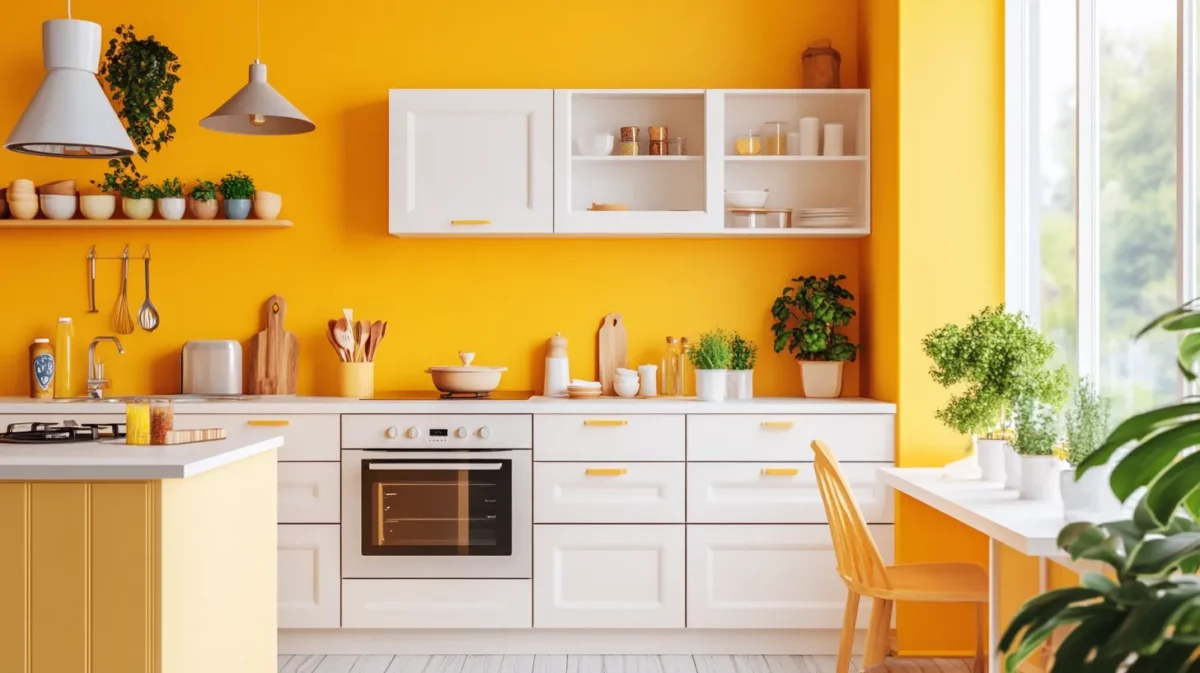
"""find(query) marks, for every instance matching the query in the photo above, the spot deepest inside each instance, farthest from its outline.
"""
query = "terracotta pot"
(821, 379)
(137, 209)
(203, 210)
(267, 205)
(97, 206)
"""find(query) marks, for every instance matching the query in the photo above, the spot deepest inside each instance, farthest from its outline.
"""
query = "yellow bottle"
(64, 377)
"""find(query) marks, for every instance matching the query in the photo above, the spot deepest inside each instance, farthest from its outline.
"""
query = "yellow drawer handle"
(272, 423)
(470, 222)
(781, 471)
(606, 471)
(778, 425)
(606, 423)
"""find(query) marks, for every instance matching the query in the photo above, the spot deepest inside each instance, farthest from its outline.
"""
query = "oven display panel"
(439, 432)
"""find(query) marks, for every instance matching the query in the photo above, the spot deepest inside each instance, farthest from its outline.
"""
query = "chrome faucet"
(96, 381)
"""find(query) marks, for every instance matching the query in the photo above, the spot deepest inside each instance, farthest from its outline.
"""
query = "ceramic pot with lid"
(466, 378)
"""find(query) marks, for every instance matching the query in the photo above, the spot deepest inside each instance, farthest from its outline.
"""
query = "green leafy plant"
(204, 190)
(711, 351)
(1147, 619)
(1036, 423)
(122, 184)
(816, 306)
(141, 76)
(236, 186)
(998, 357)
(1086, 422)
(170, 188)
(743, 353)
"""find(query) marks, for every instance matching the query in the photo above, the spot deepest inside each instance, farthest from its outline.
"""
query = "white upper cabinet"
(471, 161)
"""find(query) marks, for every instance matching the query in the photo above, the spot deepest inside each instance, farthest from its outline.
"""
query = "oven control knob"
(461, 433)
(485, 432)
(412, 433)
(392, 432)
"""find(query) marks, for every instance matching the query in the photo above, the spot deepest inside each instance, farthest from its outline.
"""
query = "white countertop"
(1029, 526)
(108, 461)
(535, 405)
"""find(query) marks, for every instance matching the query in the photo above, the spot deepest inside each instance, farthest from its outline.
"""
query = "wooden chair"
(862, 569)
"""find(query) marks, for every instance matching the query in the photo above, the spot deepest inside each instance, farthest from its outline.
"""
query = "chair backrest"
(858, 559)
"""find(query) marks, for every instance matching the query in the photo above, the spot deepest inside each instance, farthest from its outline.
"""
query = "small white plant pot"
(1012, 467)
(740, 384)
(1090, 498)
(137, 209)
(1077, 501)
(1039, 477)
(172, 208)
(821, 379)
(710, 385)
(990, 454)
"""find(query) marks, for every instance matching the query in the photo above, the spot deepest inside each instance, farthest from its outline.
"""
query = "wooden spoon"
(341, 332)
(333, 340)
(373, 343)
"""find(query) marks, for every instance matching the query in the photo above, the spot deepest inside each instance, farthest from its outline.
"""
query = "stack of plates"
(822, 218)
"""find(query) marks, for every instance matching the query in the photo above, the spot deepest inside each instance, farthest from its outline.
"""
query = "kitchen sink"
(178, 399)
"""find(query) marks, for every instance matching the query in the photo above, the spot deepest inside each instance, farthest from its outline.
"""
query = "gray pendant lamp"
(258, 109)
(70, 116)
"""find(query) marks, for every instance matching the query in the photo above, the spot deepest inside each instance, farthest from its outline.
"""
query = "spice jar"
(137, 422)
(748, 143)
(658, 148)
(628, 148)
(162, 421)
(657, 132)
(629, 134)
(774, 138)
(677, 147)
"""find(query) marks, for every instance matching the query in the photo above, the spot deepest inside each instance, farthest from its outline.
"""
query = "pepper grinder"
(558, 370)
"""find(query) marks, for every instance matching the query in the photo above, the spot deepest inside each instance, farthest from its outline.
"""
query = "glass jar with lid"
(775, 138)
(162, 421)
(748, 143)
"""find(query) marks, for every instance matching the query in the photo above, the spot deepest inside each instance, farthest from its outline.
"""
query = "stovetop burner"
(421, 395)
(67, 432)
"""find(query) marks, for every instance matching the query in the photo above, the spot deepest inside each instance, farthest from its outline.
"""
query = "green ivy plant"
(204, 190)
(743, 353)
(995, 359)
(1036, 423)
(1146, 619)
(1086, 422)
(122, 184)
(711, 351)
(816, 306)
(141, 76)
(236, 186)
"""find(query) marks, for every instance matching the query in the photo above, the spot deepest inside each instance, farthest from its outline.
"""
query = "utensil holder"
(356, 379)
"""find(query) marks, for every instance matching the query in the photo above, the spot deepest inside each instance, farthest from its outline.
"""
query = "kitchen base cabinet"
(436, 604)
(309, 577)
(608, 577)
(769, 577)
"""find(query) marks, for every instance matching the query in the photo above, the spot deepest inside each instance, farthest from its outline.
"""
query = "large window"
(1101, 227)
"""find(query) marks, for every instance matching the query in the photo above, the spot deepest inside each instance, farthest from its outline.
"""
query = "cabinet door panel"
(310, 580)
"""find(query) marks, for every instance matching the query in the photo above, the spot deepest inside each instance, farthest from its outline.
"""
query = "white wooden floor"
(315, 663)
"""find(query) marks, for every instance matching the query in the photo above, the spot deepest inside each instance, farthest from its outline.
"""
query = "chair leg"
(877, 633)
(981, 648)
(849, 621)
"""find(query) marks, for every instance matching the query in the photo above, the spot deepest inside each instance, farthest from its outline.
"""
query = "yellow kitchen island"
(127, 559)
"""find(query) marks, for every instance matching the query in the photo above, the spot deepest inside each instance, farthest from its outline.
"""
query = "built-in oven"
(437, 496)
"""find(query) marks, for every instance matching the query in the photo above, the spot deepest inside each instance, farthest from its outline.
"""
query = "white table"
(1028, 526)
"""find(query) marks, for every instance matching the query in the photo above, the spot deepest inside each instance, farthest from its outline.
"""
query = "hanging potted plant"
(710, 357)
(996, 358)
(740, 379)
(817, 309)
(1036, 425)
(237, 189)
(141, 75)
(1086, 427)
(202, 202)
(169, 197)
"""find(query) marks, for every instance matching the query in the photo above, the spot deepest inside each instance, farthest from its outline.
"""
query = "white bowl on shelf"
(58, 206)
(747, 198)
(596, 145)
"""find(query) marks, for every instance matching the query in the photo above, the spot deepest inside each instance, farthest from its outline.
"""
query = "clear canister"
(775, 138)
(137, 422)
(162, 421)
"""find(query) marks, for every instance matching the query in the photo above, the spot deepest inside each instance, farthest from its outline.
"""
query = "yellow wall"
(500, 298)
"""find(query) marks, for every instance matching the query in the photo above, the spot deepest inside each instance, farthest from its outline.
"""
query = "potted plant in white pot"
(994, 359)
(710, 357)
(816, 307)
(1036, 423)
(1088, 495)
(169, 196)
(743, 356)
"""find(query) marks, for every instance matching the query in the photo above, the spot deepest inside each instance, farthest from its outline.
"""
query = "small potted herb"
(237, 189)
(1086, 428)
(710, 357)
(169, 196)
(1036, 425)
(202, 202)
(816, 307)
(134, 203)
(740, 379)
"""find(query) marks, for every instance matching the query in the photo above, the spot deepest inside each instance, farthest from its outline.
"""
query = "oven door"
(436, 514)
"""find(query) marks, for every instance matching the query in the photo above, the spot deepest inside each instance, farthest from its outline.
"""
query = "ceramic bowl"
(596, 145)
(21, 186)
(626, 386)
(746, 198)
(267, 205)
(63, 187)
(172, 207)
(58, 206)
(203, 210)
(23, 206)
(137, 209)
(97, 206)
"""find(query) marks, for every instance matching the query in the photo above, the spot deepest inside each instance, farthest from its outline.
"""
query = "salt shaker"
(558, 370)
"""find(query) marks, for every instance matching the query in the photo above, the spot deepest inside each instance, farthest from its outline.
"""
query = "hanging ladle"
(148, 315)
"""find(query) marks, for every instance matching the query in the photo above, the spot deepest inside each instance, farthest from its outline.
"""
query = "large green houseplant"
(807, 319)
(1146, 617)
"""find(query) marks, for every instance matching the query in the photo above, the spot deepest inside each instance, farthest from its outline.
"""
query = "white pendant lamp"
(258, 109)
(70, 116)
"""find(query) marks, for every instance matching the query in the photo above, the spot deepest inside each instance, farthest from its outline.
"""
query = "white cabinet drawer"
(608, 492)
(852, 437)
(310, 492)
(309, 577)
(777, 493)
(613, 438)
(608, 577)
(309, 437)
(436, 604)
(769, 577)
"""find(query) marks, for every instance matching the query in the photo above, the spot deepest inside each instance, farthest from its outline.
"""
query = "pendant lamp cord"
(68, 9)
(258, 27)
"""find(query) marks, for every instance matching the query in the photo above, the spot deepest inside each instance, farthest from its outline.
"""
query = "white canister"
(810, 136)
(834, 134)
(710, 385)
(793, 142)
(1012, 468)
(740, 384)
(990, 454)
(649, 380)
(1039, 477)
(558, 368)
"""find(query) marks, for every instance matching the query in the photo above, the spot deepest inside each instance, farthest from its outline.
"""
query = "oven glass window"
(437, 508)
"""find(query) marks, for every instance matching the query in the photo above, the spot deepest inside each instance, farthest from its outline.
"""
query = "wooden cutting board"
(274, 353)
(611, 350)
(192, 436)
